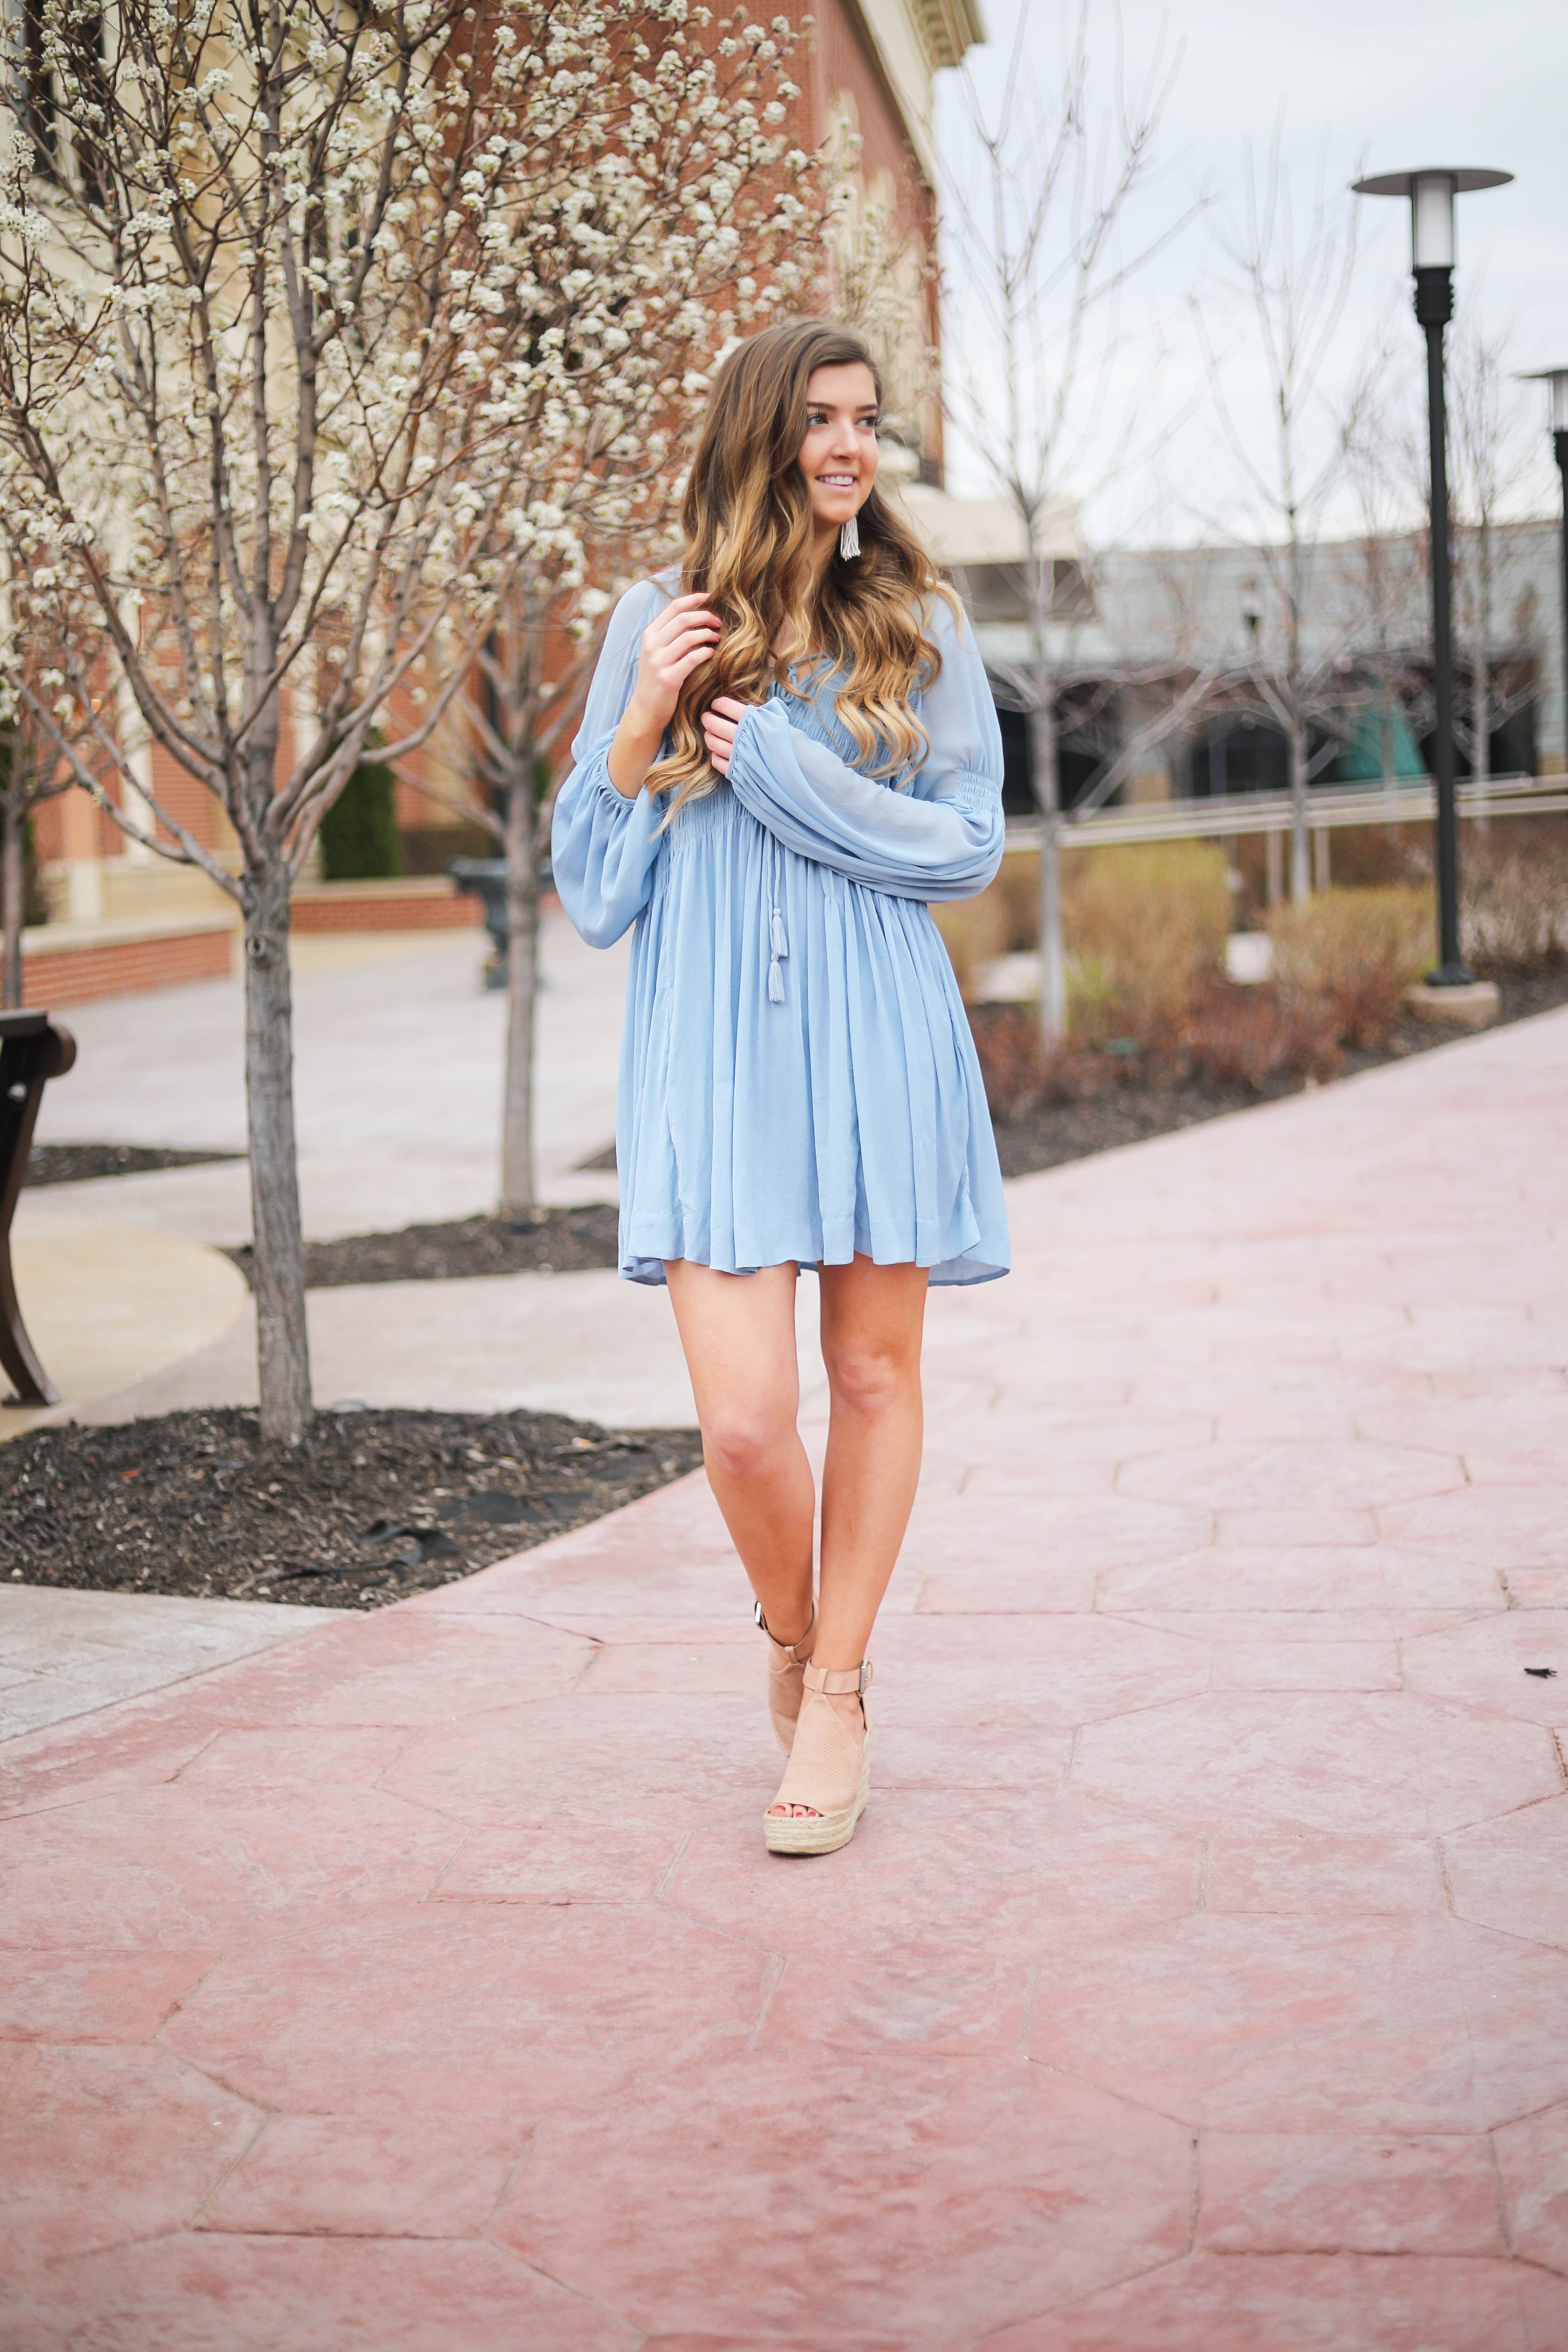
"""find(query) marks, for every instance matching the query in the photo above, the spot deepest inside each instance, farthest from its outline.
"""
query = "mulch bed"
(1133, 1105)
(554, 1240)
(79, 1163)
(373, 1505)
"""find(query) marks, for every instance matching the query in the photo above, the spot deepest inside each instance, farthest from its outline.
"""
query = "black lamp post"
(1557, 378)
(1432, 195)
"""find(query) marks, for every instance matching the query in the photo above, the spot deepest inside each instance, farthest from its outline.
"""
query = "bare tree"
(526, 687)
(1383, 571)
(334, 304)
(1493, 461)
(1039, 272)
(855, 253)
(1288, 270)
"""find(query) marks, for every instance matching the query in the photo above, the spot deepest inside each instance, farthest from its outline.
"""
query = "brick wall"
(77, 975)
(419, 906)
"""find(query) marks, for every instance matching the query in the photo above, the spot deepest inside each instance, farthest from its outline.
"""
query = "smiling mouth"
(838, 481)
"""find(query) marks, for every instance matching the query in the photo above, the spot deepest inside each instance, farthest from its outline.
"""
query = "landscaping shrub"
(1253, 1036)
(360, 841)
(974, 932)
(1356, 951)
(1018, 892)
(1514, 886)
(1145, 930)
(1020, 1075)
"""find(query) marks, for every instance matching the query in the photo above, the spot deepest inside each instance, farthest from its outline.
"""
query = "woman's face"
(838, 456)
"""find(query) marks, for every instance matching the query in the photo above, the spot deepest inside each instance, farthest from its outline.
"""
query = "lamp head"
(1431, 194)
(1432, 197)
(1556, 382)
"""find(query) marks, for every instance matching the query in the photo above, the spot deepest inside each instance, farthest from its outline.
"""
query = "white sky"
(1367, 85)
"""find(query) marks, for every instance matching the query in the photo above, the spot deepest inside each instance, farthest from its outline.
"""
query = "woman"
(779, 766)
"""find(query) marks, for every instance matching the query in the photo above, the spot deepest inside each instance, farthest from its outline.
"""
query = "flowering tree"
(321, 329)
(31, 677)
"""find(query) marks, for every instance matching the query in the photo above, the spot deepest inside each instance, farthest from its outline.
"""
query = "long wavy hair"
(747, 526)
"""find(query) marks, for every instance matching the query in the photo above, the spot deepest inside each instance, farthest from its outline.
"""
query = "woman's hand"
(673, 646)
(718, 724)
(684, 634)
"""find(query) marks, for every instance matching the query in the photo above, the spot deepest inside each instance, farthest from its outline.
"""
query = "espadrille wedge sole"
(829, 1766)
(787, 1676)
(819, 1832)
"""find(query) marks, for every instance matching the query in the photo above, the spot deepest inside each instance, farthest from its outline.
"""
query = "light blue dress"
(797, 1079)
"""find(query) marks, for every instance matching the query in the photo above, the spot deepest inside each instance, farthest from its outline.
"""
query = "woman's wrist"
(634, 749)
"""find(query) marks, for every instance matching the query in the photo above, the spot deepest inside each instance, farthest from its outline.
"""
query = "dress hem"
(950, 1273)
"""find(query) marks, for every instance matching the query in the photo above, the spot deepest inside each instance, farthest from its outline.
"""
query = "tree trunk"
(1295, 732)
(1481, 698)
(278, 1264)
(1053, 955)
(517, 1198)
(1301, 857)
(11, 903)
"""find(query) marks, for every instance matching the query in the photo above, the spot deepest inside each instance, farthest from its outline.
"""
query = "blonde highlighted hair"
(747, 526)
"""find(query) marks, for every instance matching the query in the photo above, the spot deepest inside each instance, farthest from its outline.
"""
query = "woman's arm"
(939, 839)
(605, 838)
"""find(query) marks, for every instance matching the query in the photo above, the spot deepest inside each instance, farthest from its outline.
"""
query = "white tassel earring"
(849, 539)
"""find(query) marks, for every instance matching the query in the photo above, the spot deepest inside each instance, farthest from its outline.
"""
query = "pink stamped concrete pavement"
(1198, 1978)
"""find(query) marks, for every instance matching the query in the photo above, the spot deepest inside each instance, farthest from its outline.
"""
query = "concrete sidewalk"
(398, 1087)
(1198, 1977)
(66, 1653)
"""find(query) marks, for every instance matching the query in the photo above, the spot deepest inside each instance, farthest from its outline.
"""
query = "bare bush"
(1022, 1074)
(1145, 930)
(1356, 951)
(1256, 1036)
(974, 931)
(1515, 913)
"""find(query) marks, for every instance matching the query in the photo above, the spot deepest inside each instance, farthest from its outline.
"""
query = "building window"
(1247, 757)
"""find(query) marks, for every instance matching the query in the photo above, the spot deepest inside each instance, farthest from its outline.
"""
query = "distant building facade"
(1136, 631)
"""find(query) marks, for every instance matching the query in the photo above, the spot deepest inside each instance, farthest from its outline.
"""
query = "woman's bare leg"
(872, 1323)
(738, 1333)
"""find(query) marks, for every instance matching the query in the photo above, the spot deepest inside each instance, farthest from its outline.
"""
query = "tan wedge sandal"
(786, 1675)
(829, 1766)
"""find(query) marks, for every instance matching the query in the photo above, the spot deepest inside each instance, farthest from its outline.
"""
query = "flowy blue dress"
(797, 1078)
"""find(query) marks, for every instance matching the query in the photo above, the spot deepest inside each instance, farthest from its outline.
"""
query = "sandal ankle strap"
(795, 1652)
(840, 1682)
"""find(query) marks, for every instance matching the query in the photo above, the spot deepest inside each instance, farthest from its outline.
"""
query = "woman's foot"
(825, 1789)
(786, 1675)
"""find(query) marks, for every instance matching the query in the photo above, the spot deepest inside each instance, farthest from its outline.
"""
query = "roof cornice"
(947, 29)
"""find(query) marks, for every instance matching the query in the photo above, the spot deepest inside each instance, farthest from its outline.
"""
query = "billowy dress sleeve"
(603, 845)
(937, 836)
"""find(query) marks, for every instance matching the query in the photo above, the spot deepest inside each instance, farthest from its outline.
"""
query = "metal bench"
(32, 1050)
(484, 878)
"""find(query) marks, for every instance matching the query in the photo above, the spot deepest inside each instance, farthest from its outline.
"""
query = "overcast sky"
(1374, 85)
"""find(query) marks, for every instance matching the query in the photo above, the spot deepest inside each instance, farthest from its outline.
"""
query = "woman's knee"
(869, 1378)
(745, 1438)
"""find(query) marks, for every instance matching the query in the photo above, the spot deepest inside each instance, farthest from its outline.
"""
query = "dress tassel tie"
(780, 942)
